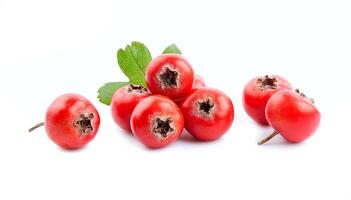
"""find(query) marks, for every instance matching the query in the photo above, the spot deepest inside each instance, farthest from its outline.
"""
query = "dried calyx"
(303, 95)
(136, 88)
(163, 127)
(84, 123)
(168, 77)
(267, 82)
(205, 107)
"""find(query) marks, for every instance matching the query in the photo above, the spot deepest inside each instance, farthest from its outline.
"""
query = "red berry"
(199, 82)
(72, 121)
(170, 75)
(123, 103)
(292, 115)
(258, 91)
(157, 121)
(208, 113)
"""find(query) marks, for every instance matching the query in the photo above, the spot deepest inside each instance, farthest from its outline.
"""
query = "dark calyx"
(267, 82)
(136, 89)
(84, 123)
(163, 127)
(303, 95)
(205, 106)
(169, 78)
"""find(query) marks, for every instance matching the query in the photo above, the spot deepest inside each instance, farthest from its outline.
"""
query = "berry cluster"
(270, 100)
(164, 96)
(175, 99)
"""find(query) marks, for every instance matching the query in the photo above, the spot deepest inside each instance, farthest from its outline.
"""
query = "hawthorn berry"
(71, 121)
(199, 82)
(170, 75)
(208, 113)
(123, 103)
(258, 91)
(157, 121)
(292, 115)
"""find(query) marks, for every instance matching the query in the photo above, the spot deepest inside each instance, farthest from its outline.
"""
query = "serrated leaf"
(141, 54)
(172, 49)
(107, 90)
(133, 61)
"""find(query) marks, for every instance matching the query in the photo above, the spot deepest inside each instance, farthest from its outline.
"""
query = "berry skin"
(170, 75)
(199, 82)
(71, 121)
(208, 113)
(258, 91)
(157, 121)
(123, 103)
(292, 115)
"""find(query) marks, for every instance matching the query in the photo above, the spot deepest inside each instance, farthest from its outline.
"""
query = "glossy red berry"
(292, 115)
(257, 93)
(208, 113)
(123, 103)
(71, 121)
(199, 82)
(157, 121)
(170, 75)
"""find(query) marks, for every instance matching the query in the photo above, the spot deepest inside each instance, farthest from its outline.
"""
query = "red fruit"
(157, 121)
(208, 113)
(72, 121)
(170, 75)
(258, 91)
(292, 115)
(199, 82)
(123, 103)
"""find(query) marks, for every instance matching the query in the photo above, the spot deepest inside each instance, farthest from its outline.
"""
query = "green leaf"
(107, 90)
(141, 54)
(133, 61)
(172, 49)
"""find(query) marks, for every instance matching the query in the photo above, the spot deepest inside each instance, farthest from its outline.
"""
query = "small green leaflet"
(107, 90)
(133, 61)
(172, 49)
(141, 54)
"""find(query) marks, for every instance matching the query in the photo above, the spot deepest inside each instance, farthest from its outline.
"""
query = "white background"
(48, 48)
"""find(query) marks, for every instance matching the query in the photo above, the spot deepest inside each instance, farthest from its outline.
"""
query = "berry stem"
(36, 126)
(268, 138)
